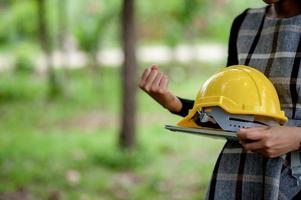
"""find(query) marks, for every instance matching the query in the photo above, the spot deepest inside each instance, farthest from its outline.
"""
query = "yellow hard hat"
(237, 91)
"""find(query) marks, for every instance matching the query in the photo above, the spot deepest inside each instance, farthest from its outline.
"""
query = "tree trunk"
(63, 43)
(46, 47)
(129, 69)
(62, 22)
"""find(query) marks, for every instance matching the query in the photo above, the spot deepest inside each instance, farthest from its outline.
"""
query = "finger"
(250, 134)
(254, 128)
(157, 80)
(253, 146)
(151, 77)
(145, 75)
(164, 82)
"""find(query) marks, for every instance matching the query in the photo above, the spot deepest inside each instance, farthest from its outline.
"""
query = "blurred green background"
(60, 97)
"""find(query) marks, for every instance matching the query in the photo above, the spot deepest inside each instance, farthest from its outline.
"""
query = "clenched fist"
(155, 83)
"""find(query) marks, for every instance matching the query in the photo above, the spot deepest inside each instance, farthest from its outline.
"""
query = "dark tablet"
(204, 132)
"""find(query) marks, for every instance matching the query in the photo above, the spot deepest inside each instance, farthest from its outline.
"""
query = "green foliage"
(19, 22)
(20, 87)
(182, 21)
(25, 55)
(175, 18)
(115, 159)
(94, 20)
(192, 9)
(43, 144)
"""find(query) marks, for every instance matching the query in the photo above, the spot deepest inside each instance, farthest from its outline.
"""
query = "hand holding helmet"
(270, 141)
(242, 99)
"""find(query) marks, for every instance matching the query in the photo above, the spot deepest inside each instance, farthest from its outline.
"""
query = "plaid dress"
(272, 46)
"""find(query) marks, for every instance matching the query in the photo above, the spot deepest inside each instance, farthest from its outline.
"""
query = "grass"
(67, 148)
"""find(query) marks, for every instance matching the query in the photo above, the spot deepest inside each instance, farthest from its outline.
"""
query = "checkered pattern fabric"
(272, 46)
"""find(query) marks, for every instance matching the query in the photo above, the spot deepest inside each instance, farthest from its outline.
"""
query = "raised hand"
(155, 83)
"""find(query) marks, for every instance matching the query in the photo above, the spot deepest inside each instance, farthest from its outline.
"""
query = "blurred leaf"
(25, 55)
(20, 22)
(93, 24)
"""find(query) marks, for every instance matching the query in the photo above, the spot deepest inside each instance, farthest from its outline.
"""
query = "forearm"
(168, 101)
(174, 104)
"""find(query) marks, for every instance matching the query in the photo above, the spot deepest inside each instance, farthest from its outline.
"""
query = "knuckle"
(267, 144)
(154, 89)
(146, 88)
(161, 91)
(141, 85)
(246, 135)
(270, 153)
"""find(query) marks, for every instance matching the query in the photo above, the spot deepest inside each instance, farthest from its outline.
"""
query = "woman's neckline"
(278, 18)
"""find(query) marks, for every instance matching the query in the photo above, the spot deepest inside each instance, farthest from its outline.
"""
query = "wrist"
(174, 105)
(168, 101)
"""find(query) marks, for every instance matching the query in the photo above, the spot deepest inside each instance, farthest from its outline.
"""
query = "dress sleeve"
(232, 47)
(186, 106)
(232, 59)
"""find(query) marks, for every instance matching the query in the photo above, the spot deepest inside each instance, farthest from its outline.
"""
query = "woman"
(269, 166)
